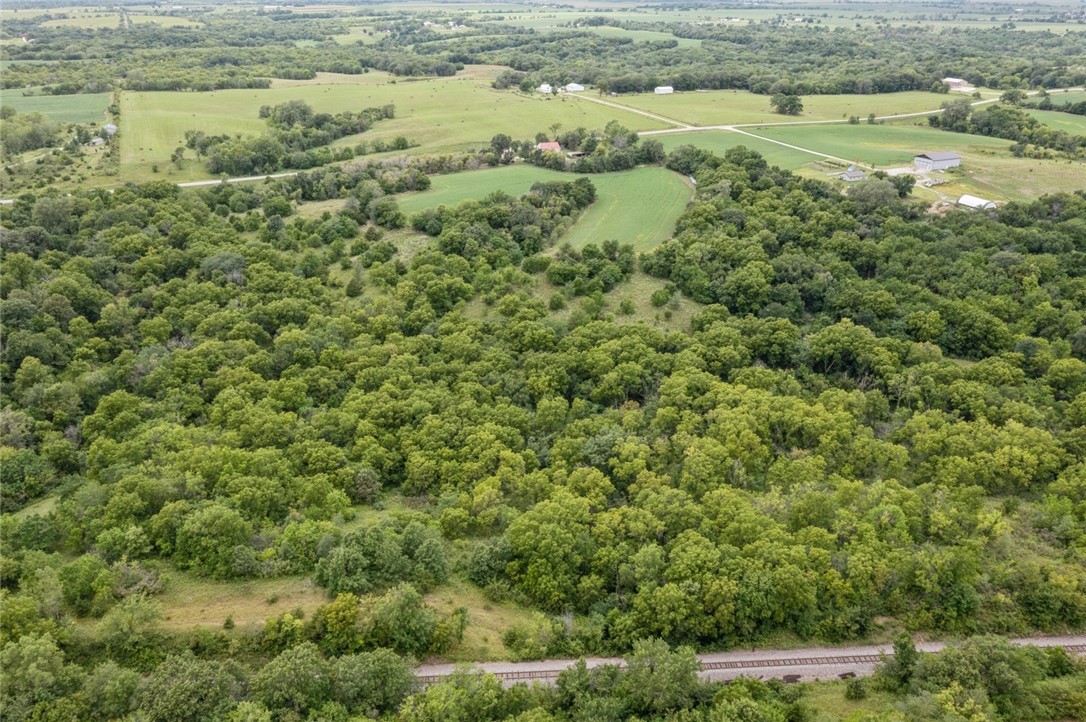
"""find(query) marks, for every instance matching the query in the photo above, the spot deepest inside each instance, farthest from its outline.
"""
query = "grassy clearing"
(373, 77)
(1073, 124)
(487, 621)
(637, 207)
(82, 108)
(988, 169)
(92, 22)
(676, 315)
(455, 188)
(719, 141)
(1072, 96)
(41, 507)
(190, 601)
(828, 700)
(727, 107)
(364, 35)
(883, 144)
(442, 115)
(639, 36)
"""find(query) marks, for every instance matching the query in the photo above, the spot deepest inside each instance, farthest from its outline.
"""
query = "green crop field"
(1073, 124)
(441, 115)
(82, 108)
(638, 206)
(727, 107)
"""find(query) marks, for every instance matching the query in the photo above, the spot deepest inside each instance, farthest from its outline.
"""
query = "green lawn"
(441, 115)
(82, 108)
(727, 107)
(638, 207)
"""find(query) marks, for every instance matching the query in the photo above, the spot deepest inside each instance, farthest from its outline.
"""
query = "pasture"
(638, 207)
(441, 115)
(732, 107)
(82, 108)
(719, 141)
(883, 144)
(1068, 123)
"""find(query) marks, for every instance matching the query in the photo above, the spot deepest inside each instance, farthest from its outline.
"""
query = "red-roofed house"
(552, 146)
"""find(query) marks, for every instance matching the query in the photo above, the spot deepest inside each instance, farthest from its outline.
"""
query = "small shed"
(979, 204)
(94, 142)
(663, 90)
(852, 175)
(549, 147)
(546, 89)
(937, 160)
(573, 88)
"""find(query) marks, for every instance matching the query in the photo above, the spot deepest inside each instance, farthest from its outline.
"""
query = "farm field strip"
(81, 108)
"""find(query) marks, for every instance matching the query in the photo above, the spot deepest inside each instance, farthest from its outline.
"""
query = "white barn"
(937, 160)
(573, 88)
(958, 85)
(546, 89)
(664, 90)
(979, 204)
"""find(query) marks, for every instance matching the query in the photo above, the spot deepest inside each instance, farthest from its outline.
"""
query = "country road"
(795, 665)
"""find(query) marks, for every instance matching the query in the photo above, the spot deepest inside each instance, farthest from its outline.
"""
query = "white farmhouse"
(546, 89)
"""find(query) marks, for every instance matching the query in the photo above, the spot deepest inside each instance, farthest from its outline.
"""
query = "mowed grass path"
(638, 207)
(441, 115)
(81, 108)
(731, 107)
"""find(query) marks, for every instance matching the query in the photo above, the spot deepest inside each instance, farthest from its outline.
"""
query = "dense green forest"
(877, 413)
(818, 413)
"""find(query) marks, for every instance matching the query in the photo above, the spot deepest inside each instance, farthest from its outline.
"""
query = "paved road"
(807, 664)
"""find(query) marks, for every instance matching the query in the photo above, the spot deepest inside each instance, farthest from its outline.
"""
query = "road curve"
(793, 665)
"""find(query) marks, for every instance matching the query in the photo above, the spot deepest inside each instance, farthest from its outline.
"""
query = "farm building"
(96, 142)
(546, 89)
(573, 88)
(664, 90)
(980, 204)
(937, 160)
(851, 175)
(958, 85)
(551, 147)
(110, 129)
